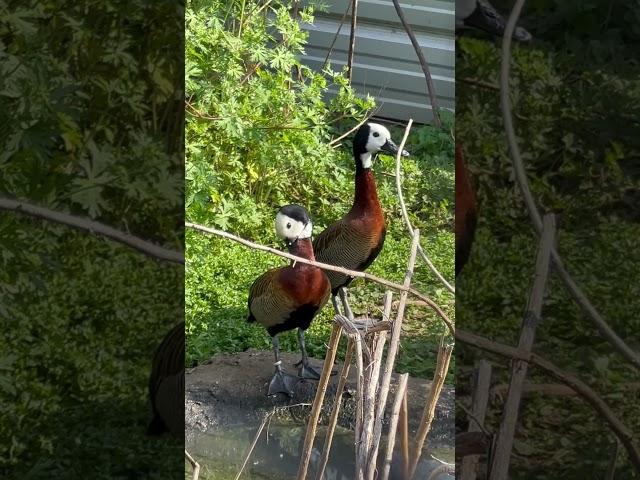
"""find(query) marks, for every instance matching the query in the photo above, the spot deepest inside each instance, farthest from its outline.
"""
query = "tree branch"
(326, 266)
(423, 63)
(521, 177)
(405, 215)
(581, 388)
(96, 228)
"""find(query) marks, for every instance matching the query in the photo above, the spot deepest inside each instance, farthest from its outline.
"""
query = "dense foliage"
(90, 124)
(257, 137)
(575, 94)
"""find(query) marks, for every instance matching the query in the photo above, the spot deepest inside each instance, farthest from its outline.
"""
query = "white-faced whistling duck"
(482, 15)
(290, 297)
(355, 240)
(466, 214)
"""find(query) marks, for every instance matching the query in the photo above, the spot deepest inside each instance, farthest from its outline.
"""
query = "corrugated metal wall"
(385, 63)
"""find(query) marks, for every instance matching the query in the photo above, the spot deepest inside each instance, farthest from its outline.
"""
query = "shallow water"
(277, 453)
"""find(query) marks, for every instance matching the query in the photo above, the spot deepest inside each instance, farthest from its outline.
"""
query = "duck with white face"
(290, 297)
(370, 139)
(482, 15)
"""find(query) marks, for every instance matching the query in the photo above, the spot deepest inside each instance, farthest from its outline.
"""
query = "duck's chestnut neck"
(302, 248)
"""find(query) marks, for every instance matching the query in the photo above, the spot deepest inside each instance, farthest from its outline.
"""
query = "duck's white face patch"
(378, 136)
(289, 228)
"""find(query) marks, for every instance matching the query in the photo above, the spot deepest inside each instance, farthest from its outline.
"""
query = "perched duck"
(466, 214)
(482, 15)
(355, 241)
(290, 297)
(166, 385)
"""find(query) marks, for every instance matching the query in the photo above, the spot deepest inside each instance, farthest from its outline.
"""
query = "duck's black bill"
(392, 148)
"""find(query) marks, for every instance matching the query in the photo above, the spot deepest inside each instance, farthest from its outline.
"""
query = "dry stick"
(504, 442)
(253, 445)
(480, 401)
(325, 266)
(352, 38)
(405, 215)
(521, 176)
(552, 389)
(404, 437)
(423, 63)
(97, 228)
(440, 375)
(195, 465)
(585, 391)
(401, 393)
(312, 426)
(391, 357)
(372, 382)
(335, 37)
(346, 134)
(353, 334)
(331, 428)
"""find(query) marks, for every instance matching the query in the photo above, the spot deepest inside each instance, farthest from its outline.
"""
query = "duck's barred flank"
(346, 245)
(166, 383)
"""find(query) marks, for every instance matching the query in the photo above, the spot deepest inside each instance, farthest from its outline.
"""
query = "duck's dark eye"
(376, 134)
(288, 225)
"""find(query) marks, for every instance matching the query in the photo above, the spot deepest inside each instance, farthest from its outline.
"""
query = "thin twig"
(521, 177)
(404, 437)
(335, 37)
(468, 469)
(346, 134)
(391, 356)
(395, 413)
(253, 444)
(480, 83)
(195, 465)
(405, 215)
(331, 428)
(318, 400)
(352, 38)
(587, 393)
(439, 377)
(423, 63)
(326, 266)
(504, 441)
(96, 228)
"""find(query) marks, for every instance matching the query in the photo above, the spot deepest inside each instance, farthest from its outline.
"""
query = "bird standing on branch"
(290, 297)
(354, 241)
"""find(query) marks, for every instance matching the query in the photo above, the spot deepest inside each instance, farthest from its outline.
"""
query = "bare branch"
(521, 177)
(504, 442)
(423, 63)
(253, 445)
(326, 266)
(352, 38)
(405, 215)
(312, 425)
(346, 134)
(587, 393)
(439, 377)
(96, 228)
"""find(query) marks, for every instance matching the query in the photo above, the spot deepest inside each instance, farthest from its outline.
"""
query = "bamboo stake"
(404, 437)
(331, 428)
(312, 425)
(504, 442)
(401, 393)
(442, 367)
(480, 401)
(391, 356)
